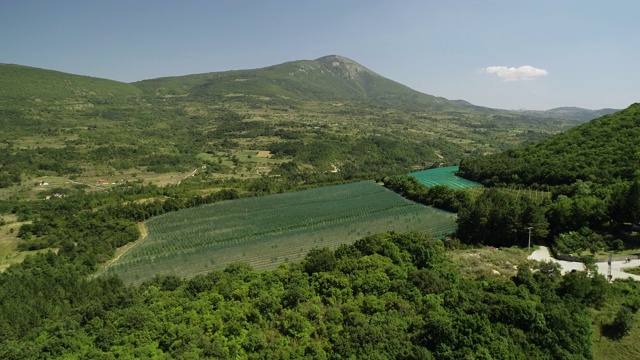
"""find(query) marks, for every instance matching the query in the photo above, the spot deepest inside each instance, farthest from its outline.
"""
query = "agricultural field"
(267, 231)
(443, 176)
(537, 196)
(447, 176)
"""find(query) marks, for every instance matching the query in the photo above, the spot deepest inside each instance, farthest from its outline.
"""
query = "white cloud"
(514, 74)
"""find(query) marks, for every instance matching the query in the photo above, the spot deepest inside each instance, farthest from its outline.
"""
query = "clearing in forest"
(443, 176)
(269, 230)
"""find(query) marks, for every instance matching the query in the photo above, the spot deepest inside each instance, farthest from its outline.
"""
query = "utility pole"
(530, 227)
(609, 276)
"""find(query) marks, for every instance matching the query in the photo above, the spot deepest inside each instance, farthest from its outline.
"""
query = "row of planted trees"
(577, 217)
(494, 217)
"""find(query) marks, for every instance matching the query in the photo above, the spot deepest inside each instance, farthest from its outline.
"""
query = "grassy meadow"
(9, 240)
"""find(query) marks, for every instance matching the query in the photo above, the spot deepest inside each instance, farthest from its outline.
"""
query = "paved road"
(543, 254)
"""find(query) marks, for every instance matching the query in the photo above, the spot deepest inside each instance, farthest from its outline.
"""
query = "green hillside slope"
(21, 84)
(330, 78)
(600, 150)
(36, 103)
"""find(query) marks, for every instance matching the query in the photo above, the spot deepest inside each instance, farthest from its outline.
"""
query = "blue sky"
(502, 54)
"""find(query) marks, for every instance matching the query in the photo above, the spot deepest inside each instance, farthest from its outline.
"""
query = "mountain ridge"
(20, 82)
(329, 78)
(575, 113)
(366, 85)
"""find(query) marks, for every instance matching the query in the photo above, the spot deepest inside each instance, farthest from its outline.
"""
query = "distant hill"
(23, 83)
(580, 114)
(353, 89)
(330, 78)
(601, 150)
(575, 113)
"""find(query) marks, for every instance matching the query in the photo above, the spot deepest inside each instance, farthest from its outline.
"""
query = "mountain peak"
(329, 78)
(337, 59)
(344, 66)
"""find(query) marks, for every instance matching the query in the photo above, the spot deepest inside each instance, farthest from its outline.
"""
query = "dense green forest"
(603, 151)
(387, 296)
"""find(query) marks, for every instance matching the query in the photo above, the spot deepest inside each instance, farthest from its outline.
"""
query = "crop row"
(443, 176)
(186, 243)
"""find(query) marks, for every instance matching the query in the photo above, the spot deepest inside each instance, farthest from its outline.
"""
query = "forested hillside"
(22, 83)
(602, 151)
(592, 173)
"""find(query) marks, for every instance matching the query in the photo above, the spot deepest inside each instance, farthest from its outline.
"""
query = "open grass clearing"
(489, 261)
(242, 163)
(9, 241)
(605, 348)
(243, 156)
(635, 270)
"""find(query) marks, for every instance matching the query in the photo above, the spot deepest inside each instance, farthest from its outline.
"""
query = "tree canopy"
(603, 150)
(386, 296)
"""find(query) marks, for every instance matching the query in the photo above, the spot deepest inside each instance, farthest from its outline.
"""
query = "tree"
(533, 216)
(319, 260)
(499, 219)
(590, 265)
(620, 326)
(525, 277)
(574, 242)
(571, 243)
(632, 204)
